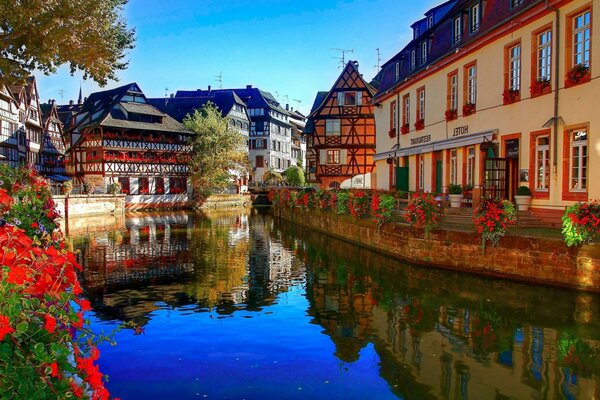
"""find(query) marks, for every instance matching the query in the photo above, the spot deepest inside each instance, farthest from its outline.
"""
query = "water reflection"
(425, 333)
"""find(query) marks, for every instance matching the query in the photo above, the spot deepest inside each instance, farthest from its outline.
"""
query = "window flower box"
(510, 96)
(469, 109)
(420, 124)
(578, 74)
(451, 114)
(540, 87)
(405, 129)
(392, 133)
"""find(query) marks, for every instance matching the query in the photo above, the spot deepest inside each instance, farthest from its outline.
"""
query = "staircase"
(457, 219)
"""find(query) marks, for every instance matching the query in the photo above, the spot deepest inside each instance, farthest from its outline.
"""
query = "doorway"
(511, 150)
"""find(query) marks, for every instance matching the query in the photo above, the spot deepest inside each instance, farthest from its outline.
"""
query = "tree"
(294, 176)
(272, 177)
(88, 35)
(219, 151)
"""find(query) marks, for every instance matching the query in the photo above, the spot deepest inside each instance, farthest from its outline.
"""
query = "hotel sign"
(420, 140)
(461, 130)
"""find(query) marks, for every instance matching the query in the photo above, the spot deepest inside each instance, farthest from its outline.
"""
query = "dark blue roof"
(252, 97)
(179, 107)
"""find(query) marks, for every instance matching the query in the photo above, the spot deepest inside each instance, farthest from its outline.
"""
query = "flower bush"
(358, 203)
(382, 207)
(510, 96)
(46, 350)
(468, 109)
(420, 124)
(341, 205)
(492, 218)
(539, 87)
(577, 74)
(422, 211)
(404, 129)
(581, 223)
(451, 114)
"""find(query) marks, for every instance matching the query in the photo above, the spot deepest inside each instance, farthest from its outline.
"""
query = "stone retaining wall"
(221, 201)
(94, 204)
(546, 261)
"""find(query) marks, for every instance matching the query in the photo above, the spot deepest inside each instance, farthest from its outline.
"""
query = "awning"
(451, 143)
(58, 178)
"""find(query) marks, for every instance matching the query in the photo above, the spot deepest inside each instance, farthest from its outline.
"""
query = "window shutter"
(340, 98)
(343, 155)
(358, 98)
(322, 157)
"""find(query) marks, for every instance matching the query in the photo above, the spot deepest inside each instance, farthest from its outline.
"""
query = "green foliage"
(382, 207)
(294, 176)
(219, 150)
(342, 202)
(88, 35)
(455, 189)
(581, 223)
(272, 177)
(523, 191)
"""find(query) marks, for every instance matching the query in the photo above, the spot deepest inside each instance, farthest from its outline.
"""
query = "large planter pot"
(523, 202)
(455, 200)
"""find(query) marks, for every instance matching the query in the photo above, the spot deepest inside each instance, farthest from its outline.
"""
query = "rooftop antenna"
(378, 66)
(166, 95)
(342, 56)
(219, 79)
(297, 103)
(286, 98)
(61, 92)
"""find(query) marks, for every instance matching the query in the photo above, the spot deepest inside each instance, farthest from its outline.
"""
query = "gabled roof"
(251, 96)
(310, 122)
(109, 108)
(179, 107)
(66, 113)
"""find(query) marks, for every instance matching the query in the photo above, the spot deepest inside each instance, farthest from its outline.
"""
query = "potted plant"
(523, 198)
(455, 193)
(67, 187)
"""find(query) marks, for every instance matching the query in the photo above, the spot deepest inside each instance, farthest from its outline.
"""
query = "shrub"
(523, 191)
(382, 207)
(422, 211)
(492, 218)
(455, 189)
(342, 202)
(581, 223)
(358, 203)
(294, 176)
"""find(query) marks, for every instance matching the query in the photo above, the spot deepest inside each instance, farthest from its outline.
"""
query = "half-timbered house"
(52, 159)
(30, 122)
(119, 137)
(9, 132)
(341, 128)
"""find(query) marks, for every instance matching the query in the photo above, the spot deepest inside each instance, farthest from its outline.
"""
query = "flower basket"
(358, 203)
(581, 223)
(451, 114)
(577, 74)
(382, 207)
(420, 124)
(540, 87)
(468, 109)
(405, 129)
(392, 133)
(422, 211)
(510, 96)
(492, 218)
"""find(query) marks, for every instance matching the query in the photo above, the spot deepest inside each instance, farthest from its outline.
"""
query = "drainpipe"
(556, 91)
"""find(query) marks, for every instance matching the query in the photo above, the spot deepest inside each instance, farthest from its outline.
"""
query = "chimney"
(71, 102)
(287, 107)
(209, 88)
(172, 95)
(248, 86)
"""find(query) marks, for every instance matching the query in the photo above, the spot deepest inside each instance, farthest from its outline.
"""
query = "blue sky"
(281, 46)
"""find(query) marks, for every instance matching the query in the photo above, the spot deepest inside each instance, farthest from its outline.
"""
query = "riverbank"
(545, 261)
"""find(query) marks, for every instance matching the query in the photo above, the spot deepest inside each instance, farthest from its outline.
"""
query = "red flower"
(50, 324)
(5, 327)
(84, 304)
(17, 275)
(54, 370)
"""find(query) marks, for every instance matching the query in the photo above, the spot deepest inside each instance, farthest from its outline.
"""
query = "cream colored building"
(486, 57)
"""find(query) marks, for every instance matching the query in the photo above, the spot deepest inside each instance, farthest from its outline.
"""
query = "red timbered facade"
(52, 159)
(341, 131)
(119, 137)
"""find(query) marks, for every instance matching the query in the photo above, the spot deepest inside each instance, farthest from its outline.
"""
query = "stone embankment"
(536, 260)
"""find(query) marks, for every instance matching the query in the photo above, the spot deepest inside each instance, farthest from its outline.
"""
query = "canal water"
(243, 306)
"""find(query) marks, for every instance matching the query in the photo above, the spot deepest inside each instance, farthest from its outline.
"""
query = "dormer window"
(413, 61)
(416, 32)
(397, 71)
(423, 53)
(430, 21)
(457, 30)
(475, 15)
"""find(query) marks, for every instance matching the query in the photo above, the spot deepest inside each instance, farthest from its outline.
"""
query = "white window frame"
(335, 159)
(475, 13)
(582, 170)
(413, 59)
(472, 84)
(581, 38)
(407, 110)
(422, 104)
(423, 52)
(343, 97)
(454, 166)
(421, 172)
(333, 127)
(471, 166)
(542, 164)
(397, 70)
(514, 67)
(454, 92)
(457, 30)
(544, 56)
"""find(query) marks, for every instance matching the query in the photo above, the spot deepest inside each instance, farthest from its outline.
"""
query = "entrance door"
(438, 176)
(496, 178)
(402, 178)
(511, 151)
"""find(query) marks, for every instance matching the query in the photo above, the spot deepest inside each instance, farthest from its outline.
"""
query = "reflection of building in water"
(445, 339)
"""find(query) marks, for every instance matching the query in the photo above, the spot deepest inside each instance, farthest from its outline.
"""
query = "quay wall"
(535, 260)
(94, 204)
(225, 201)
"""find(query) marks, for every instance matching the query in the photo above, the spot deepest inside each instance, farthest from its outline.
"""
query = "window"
(349, 98)
(453, 91)
(394, 117)
(144, 185)
(260, 144)
(332, 127)
(413, 61)
(397, 71)
(471, 97)
(475, 18)
(260, 161)
(423, 53)
(542, 163)
(581, 39)
(333, 156)
(457, 33)
(471, 166)
(514, 67)
(421, 177)
(177, 185)
(544, 56)
(578, 160)
(430, 21)
(159, 185)
(453, 166)
(406, 116)
(421, 104)
(124, 182)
